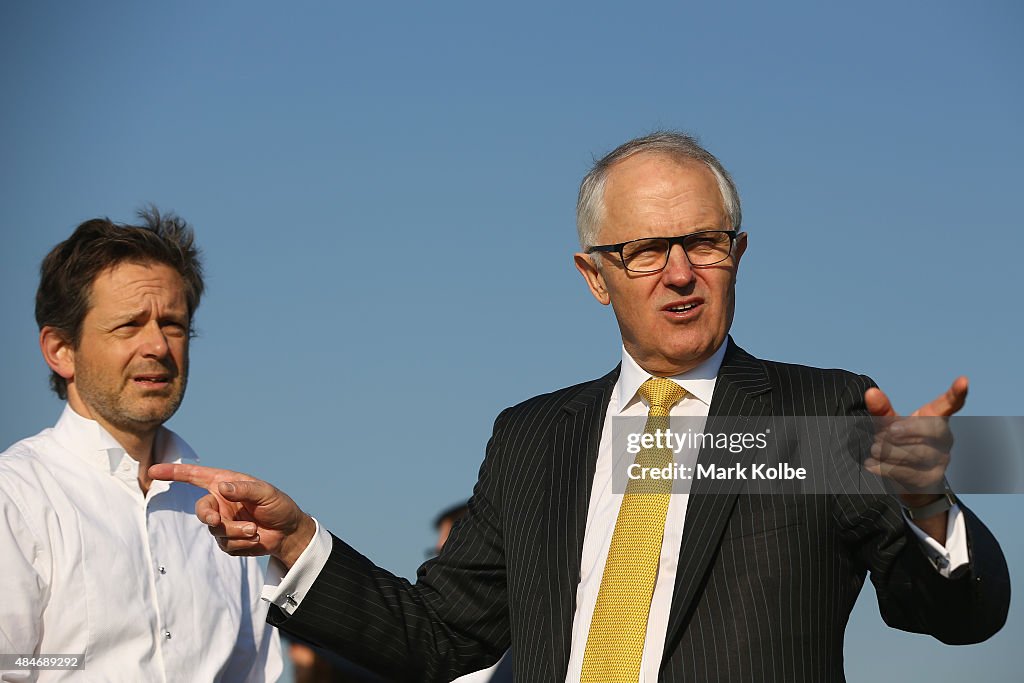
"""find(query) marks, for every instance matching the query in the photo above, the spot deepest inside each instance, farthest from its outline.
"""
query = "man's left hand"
(914, 451)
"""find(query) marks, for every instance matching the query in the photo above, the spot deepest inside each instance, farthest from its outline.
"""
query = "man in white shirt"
(719, 586)
(107, 574)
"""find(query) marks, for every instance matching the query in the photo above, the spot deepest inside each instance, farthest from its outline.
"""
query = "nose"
(153, 343)
(678, 272)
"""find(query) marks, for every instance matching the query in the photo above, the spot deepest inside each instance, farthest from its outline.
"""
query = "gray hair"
(590, 204)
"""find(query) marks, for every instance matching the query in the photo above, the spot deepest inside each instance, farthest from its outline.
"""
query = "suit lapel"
(575, 439)
(737, 402)
(574, 443)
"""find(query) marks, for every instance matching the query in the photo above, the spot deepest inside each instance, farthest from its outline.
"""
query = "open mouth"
(152, 380)
(684, 309)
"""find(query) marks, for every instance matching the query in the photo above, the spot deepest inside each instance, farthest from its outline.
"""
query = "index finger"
(947, 404)
(198, 475)
(878, 404)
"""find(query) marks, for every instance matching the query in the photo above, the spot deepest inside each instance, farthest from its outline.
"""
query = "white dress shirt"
(133, 581)
(286, 590)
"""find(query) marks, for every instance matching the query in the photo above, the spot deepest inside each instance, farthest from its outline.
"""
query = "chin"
(689, 356)
(154, 415)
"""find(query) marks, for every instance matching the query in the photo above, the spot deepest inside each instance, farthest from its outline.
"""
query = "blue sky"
(384, 194)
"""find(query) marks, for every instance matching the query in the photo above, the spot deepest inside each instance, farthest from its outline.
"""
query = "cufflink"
(290, 599)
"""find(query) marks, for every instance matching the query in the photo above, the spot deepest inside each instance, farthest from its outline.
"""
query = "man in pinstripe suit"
(748, 588)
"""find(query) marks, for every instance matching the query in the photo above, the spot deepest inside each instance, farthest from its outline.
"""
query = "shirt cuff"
(949, 557)
(286, 588)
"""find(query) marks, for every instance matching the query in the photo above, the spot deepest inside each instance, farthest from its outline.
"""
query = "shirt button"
(167, 635)
(162, 569)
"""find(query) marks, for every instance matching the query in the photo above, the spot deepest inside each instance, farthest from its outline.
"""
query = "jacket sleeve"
(968, 607)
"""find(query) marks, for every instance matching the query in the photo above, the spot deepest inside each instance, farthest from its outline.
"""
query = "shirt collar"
(699, 381)
(88, 439)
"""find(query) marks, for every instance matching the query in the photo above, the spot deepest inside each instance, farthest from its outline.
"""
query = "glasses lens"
(707, 248)
(645, 256)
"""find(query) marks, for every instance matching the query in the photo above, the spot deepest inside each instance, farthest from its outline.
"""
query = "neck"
(138, 446)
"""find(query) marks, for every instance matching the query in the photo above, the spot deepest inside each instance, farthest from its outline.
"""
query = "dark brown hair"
(69, 270)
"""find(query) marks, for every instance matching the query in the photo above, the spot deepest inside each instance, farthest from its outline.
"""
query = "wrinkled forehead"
(132, 284)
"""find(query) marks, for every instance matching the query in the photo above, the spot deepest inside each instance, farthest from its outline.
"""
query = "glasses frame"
(672, 241)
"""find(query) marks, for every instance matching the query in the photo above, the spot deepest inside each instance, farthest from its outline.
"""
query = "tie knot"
(661, 393)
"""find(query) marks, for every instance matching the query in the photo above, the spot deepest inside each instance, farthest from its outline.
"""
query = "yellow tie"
(618, 630)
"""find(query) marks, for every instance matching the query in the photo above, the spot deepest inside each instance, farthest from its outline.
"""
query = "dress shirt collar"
(88, 439)
(699, 382)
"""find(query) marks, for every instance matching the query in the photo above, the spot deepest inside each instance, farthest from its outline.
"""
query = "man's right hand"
(246, 516)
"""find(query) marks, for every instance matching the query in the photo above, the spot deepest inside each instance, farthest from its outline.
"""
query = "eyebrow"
(128, 316)
(121, 318)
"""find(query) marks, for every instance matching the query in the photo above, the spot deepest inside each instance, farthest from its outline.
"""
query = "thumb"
(253, 492)
(878, 403)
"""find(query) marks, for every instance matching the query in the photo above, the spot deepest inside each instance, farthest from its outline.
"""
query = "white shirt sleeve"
(951, 556)
(286, 588)
(22, 583)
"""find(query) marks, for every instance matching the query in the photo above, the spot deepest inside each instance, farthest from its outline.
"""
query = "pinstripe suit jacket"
(765, 584)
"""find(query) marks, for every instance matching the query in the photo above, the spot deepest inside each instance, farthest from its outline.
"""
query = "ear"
(57, 352)
(737, 251)
(593, 277)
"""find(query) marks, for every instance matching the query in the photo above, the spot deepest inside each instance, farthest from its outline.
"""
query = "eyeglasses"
(650, 254)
